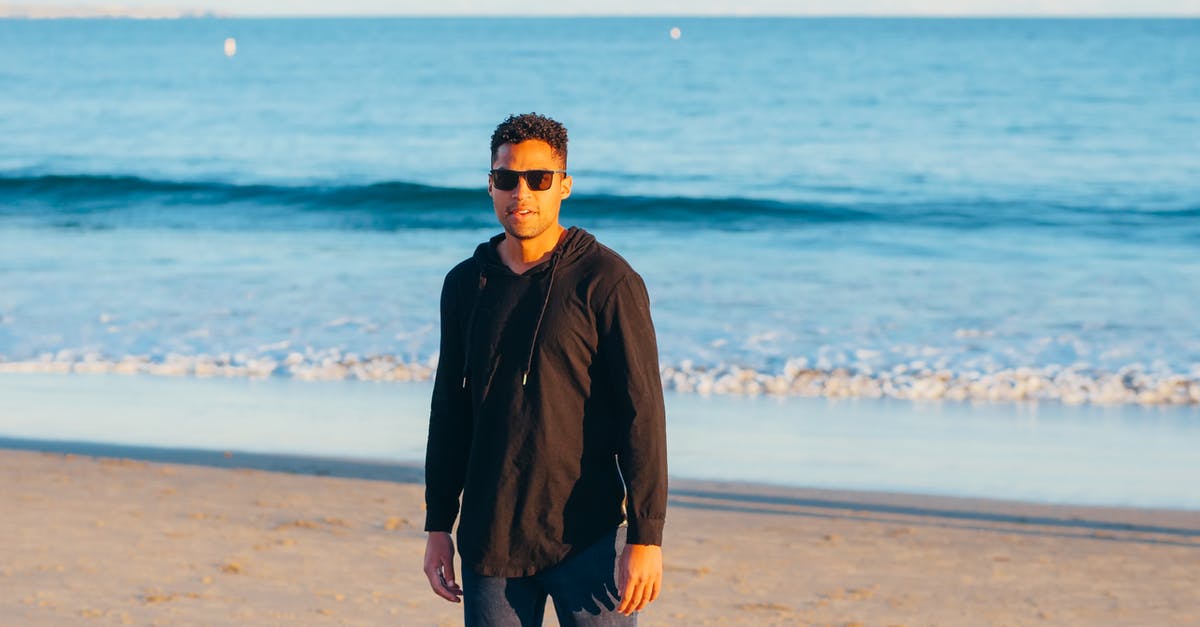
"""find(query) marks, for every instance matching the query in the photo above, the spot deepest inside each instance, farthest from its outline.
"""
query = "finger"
(626, 595)
(639, 595)
(435, 583)
(446, 573)
(441, 590)
(645, 599)
(452, 586)
(452, 595)
(655, 589)
(635, 597)
(440, 587)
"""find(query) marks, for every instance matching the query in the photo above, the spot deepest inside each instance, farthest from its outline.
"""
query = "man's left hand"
(639, 576)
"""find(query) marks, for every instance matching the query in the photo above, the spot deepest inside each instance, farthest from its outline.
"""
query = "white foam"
(918, 381)
(915, 380)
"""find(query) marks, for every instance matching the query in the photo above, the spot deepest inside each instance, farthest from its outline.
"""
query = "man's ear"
(489, 183)
(564, 187)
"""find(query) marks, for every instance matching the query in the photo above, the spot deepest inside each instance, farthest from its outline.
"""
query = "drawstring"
(471, 328)
(537, 327)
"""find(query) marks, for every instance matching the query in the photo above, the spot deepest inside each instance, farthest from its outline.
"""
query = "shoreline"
(208, 540)
(729, 495)
(1069, 386)
(1115, 456)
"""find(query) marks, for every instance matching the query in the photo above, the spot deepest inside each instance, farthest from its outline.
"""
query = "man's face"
(526, 213)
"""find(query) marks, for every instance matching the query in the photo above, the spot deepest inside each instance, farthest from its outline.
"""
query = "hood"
(574, 244)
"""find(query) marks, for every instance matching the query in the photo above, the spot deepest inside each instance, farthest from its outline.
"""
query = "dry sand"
(100, 540)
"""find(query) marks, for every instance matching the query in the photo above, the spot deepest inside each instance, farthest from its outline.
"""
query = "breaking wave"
(1072, 385)
(113, 201)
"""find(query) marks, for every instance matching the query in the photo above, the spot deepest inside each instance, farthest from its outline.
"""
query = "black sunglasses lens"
(539, 180)
(504, 180)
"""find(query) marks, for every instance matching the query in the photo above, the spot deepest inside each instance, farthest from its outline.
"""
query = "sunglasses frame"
(523, 174)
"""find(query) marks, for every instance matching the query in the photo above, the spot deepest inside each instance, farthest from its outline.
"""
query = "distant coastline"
(34, 12)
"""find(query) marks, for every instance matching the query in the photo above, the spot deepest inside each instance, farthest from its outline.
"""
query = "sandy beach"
(88, 538)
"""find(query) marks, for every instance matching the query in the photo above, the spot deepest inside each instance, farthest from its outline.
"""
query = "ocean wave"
(1072, 385)
(393, 203)
(108, 201)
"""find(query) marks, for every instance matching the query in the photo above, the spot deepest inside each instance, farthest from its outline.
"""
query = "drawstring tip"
(524, 379)
(464, 383)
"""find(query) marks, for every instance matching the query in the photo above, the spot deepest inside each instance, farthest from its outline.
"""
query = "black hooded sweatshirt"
(547, 409)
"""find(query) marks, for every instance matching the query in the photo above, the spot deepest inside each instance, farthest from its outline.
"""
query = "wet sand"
(91, 536)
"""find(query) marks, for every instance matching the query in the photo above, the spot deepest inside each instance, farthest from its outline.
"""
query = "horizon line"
(212, 14)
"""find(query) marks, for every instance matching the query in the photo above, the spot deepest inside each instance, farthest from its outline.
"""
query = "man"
(547, 412)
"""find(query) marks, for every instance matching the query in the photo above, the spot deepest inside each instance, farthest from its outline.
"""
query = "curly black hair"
(519, 128)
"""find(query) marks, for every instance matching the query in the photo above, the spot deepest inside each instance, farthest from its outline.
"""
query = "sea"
(894, 214)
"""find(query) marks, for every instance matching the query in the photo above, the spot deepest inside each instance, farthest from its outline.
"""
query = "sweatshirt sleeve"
(449, 422)
(630, 350)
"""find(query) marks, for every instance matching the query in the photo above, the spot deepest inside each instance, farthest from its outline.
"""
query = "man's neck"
(522, 254)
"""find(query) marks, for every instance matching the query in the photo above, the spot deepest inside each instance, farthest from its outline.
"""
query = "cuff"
(645, 531)
(439, 523)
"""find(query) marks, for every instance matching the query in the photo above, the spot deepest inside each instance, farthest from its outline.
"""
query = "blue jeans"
(583, 587)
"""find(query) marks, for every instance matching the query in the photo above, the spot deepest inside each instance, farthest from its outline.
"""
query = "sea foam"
(1072, 385)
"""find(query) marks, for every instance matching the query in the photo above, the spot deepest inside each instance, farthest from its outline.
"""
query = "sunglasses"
(537, 180)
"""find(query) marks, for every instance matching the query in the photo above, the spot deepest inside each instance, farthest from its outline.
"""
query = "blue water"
(1120, 455)
(914, 208)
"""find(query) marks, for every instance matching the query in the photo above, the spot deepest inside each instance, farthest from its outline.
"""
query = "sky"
(647, 7)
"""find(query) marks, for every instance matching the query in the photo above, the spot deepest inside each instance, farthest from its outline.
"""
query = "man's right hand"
(439, 566)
